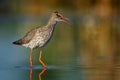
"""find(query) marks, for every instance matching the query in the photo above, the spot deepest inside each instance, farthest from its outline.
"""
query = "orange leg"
(31, 59)
(40, 59)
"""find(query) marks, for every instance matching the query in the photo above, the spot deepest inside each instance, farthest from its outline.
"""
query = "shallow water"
(62, 55)
(51, 73)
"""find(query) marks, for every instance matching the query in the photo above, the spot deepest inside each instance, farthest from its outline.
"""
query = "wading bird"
(39, 36)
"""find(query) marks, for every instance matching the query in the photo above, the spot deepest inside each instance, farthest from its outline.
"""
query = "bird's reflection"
(30, 73)
(40, 74)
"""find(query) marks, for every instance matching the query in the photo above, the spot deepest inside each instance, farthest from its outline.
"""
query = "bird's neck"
(51, 23)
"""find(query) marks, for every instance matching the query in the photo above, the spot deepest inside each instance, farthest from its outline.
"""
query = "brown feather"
(26, 38)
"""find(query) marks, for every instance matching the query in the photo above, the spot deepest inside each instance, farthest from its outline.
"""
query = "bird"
(38, 37)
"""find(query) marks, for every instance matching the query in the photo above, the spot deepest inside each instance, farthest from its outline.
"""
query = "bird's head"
(59, 17)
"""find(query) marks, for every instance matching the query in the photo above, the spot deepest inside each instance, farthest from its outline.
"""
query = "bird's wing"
(26, 38)
(29, 36)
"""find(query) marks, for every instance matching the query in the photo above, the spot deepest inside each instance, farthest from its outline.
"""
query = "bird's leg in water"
(31, 59)
(40, 59)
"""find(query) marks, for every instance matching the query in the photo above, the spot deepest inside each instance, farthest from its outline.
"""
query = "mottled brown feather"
(26, 38)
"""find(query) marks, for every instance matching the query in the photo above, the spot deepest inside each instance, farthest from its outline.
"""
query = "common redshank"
(39, 36)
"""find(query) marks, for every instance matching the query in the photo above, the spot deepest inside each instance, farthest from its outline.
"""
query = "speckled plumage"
(41, 36)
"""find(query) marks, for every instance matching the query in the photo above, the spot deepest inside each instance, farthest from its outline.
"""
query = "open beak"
(65, 20)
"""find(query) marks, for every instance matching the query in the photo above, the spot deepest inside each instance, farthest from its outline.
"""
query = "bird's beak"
(65, 20)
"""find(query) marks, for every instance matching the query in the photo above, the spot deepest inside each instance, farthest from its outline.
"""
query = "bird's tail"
(18, 42)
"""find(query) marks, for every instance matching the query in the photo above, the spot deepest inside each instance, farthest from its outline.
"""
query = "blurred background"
(89, 48)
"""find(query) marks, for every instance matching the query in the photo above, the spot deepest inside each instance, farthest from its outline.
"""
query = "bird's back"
(26, 39)
(41, 37)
